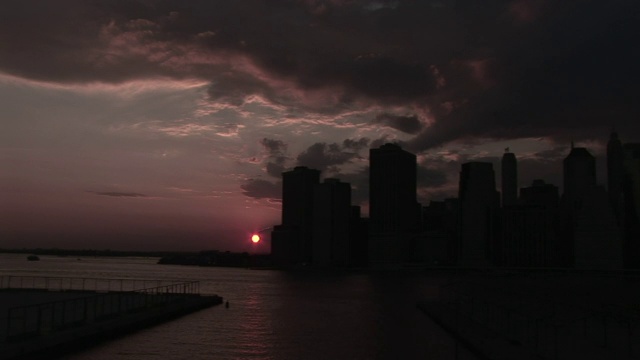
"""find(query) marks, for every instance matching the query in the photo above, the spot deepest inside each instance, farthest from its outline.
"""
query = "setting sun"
(255, 238)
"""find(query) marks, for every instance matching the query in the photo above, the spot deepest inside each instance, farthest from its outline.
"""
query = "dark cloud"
(570, 73)
(499, 69)
(359, 185)
(387, 139)
(233, 87)
(327, 158)
(276, 150)
(118, 194)
(386, 79)
(406, 124)
(274, 147)
(322, 156)
(262, 189)
(431, 177)
(555, 154)
(276, 168)
(355, 144)
(549, 170)
(126, 40)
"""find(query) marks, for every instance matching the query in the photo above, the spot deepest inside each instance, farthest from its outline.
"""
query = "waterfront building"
(529, 229)
(579, 177)
(615, 174)
(591, 237)
(285, 245)
(439, 239)
(291, 242)
(393, 209)
(331, 219)
(479, 202)
(540, 194)
(597, 237)
(631, 204)
(358, 238)
(392, 189)
(509, 176)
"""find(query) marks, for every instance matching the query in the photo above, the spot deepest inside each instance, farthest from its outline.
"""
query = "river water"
(272, 314)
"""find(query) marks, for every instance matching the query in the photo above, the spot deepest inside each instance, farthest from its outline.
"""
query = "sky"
(166, 125)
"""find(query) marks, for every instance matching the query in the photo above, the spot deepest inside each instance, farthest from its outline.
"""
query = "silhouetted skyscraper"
(297, 196)
(358, 238)
(439, 240)
(291, 242)
(393, 209)
(392, 189)
(540, 194)
(631, 205)
(597, 237)
(579, 172)
(615, 173)
(479, 202)
(579, 176)
(331, 218)
(509, 179)
(529, 229)
(591, 237)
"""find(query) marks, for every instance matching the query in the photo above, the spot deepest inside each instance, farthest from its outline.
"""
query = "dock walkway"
(43, 316)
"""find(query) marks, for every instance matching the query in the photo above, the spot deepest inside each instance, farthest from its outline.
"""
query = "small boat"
(33, 258)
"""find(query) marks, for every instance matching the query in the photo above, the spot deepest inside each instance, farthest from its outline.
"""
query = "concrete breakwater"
(41, 316)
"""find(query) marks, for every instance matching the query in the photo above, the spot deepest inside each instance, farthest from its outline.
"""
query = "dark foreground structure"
(42, 316)
(551, 315)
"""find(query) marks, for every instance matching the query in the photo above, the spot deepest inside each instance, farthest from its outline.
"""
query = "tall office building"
(393, 210)
(358, 238)
(579, 176)
(540, 194)
(529, 229)
(598, 241)
(331, 220)
(392, 189)
(297, 196)
(291, 241)
(509, 176)
(591, 237)
(631, 205)
(615, 174)
(479, 203)
(579, 172)
(438, 243)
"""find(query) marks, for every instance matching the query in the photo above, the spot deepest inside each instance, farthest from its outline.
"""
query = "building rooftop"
(580, 152)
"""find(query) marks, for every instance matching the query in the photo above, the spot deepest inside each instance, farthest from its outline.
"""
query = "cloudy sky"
(166, 124)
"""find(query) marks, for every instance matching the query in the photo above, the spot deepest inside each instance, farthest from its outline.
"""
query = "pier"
(41, 316)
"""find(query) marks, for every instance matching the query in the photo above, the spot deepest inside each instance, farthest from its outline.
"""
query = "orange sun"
(255, 238)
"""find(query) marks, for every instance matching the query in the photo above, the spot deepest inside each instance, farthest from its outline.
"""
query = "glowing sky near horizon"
(165, 125)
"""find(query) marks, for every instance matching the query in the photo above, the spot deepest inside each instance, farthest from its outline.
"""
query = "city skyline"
(587, 226)
(165, 125)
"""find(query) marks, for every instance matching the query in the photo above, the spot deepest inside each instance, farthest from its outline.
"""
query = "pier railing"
(85, 301)
(80, 284)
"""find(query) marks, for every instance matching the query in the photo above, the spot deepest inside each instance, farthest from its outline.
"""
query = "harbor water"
(271, 314)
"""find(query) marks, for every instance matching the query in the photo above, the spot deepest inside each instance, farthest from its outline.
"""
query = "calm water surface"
(272, 314)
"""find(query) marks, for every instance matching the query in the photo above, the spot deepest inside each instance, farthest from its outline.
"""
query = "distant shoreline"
(111, 253)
